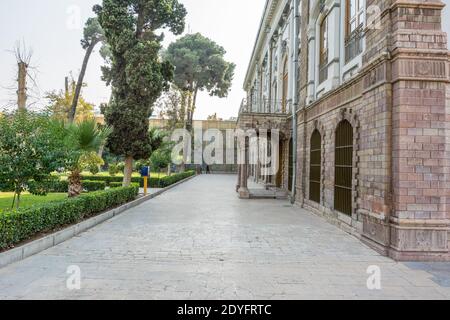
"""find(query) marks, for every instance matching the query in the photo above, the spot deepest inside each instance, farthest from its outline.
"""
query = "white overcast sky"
(49, 28)
(43, 25)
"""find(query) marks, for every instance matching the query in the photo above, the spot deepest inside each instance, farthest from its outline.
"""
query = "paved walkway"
(198, 241)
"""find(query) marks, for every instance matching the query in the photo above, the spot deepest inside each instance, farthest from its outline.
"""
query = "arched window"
(354, 22)
(315, 167)
(323, 50)
(343, 168)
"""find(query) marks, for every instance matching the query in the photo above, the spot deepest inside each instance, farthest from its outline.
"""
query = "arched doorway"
(343, 168)
(315, 175)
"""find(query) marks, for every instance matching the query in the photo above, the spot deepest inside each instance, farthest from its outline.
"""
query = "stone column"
(243, 189)
(311, 59)
(238, 185)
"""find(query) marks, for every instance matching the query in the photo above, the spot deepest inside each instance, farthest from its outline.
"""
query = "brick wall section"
(420, 152)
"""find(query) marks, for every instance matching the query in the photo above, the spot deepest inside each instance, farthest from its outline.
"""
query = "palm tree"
(87, 138)
(157, 138)
(161, 148)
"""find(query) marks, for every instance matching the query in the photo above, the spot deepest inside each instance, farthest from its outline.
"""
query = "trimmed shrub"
(109, 179)
(54, 186)
(16, 226)
(169, 180)
(91, 186)
(119, 184)
(153, 182)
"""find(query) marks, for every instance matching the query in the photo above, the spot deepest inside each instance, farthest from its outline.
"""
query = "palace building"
(359, 91)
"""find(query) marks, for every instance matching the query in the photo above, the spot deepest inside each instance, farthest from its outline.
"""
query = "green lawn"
(28, 200)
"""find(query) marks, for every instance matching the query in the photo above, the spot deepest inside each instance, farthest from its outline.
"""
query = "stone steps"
(268, 194)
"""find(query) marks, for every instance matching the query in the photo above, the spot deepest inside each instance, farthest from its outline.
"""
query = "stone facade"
(396, 95)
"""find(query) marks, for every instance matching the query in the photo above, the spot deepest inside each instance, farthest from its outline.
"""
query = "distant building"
(221, 125)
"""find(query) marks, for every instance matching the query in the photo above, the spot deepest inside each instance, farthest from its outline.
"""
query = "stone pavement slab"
(199, 241)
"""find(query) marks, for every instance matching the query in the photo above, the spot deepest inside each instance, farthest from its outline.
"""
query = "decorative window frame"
(351, 67)
(318, 11)
(349, 115)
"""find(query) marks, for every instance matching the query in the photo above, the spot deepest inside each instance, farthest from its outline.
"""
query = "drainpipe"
(295, 101)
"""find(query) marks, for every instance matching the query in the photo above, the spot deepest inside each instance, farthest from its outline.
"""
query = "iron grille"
(343, 168)
(354, 44)
(315, 167)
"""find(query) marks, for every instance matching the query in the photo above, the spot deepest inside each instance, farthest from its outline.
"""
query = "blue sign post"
(145, 172)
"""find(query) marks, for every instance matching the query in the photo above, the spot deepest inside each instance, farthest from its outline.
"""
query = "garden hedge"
(119, 184)
(63, 186)
(91, 186)
(109, 179)
(169, 180)
(112, 181)
(16, 226)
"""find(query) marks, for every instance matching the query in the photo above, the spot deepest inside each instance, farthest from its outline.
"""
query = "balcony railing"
(266, 106)
(354, 44)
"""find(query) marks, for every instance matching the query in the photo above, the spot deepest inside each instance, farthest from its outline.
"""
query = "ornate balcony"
(266, 106)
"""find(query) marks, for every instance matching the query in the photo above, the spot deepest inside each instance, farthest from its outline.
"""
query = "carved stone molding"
(375, 76)
(415, 69)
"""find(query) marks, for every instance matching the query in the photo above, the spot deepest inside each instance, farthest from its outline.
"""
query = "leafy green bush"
(94, 169)
(113, 169)
(121, 167)
(16, 226)
(91, 186)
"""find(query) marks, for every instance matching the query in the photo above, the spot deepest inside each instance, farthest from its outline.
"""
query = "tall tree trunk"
(187, 130)
(194, 105)
(14, 201)
(76, 97)
(184, 117)
(189, 113)
(100, 153)
(18, 201)
(22, 86)
(66, 87)
(128, 171)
